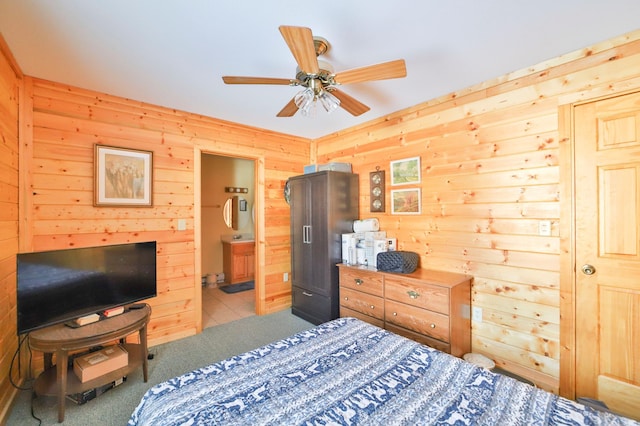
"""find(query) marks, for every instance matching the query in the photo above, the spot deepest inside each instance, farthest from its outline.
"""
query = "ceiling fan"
(317, 76)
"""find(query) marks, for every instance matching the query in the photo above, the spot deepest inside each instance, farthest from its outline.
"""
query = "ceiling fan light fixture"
(309, 109)
(329, 102)
(306, 102)
(304, 98)
(317, 76)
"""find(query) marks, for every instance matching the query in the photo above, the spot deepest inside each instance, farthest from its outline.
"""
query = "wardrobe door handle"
(307, 294)
(306, 234)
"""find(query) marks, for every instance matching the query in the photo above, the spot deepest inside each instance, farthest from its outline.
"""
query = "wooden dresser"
(431, 307)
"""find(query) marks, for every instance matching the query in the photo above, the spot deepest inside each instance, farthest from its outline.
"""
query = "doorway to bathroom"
(227, 238)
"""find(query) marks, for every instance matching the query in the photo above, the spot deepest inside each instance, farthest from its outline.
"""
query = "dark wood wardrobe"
(323, 207)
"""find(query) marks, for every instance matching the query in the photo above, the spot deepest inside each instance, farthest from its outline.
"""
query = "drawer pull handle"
(346, 298)
(395, 314)
(433, 326)
(358, 281)
(372, 306)
(413, 294)
(307, 294)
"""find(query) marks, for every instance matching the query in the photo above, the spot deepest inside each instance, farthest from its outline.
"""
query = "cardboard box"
(95, 364)
(379, 246)
(349, 242)
(310, 168)
(338, 167)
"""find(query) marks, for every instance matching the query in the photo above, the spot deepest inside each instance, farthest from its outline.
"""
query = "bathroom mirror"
(235, 213)
(227, 214)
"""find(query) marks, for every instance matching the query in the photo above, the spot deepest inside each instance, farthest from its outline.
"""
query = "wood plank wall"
(10, 84)
(67, 122)
(490, 175)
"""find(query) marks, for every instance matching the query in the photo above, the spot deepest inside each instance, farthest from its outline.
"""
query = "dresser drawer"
(362, 302)
(243, 248)
(311, 306)
(429, 306)
(421, 295)
(362, 280)
(419, 320)
(421, 338)
(346, 312)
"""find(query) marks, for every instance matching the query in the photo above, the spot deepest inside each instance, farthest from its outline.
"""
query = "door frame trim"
(258, 224)
(567, 234)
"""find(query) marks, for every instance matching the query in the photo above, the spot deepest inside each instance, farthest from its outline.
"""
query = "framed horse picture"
(123, 177)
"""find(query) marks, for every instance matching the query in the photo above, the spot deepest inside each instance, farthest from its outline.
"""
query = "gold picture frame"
(406, 201)
(123, 177)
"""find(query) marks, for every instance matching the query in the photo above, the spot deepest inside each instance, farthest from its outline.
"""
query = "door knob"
(588, 269)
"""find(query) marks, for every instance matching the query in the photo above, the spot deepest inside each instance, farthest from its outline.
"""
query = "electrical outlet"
(476, 314)
(285, 277)
(544, 228)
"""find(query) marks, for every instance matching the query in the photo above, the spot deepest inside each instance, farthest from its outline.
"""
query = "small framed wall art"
(406, 201)
(123, 177)
(405, 172)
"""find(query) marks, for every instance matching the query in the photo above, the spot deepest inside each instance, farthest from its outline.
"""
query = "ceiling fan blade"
(289, 109)
(349, 103)
(383, 71)
(258, 80)
(300, 42)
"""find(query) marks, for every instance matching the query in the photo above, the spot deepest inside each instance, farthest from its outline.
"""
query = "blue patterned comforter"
(347, 372)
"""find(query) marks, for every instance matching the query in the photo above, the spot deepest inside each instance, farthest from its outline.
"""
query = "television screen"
(61, 285)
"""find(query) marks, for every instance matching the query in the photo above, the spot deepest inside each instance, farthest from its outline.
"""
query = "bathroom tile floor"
(219, 307)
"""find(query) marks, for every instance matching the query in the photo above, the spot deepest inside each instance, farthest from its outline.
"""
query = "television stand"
(59, 339)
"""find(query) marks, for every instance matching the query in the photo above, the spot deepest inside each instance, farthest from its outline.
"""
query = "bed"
(347, 372)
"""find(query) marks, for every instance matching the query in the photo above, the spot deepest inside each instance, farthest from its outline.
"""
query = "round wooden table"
(61, 339)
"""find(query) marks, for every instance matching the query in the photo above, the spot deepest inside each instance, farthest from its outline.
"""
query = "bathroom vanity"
(238, 260)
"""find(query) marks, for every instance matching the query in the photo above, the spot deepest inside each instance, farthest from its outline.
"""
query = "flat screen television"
(60, 285)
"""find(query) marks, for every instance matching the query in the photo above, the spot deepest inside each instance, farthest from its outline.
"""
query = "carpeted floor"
(170, 359)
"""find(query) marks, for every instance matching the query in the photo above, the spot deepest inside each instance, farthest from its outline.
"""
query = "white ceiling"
(174, 52)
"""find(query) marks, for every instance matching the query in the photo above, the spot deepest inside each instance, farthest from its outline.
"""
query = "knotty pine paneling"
(490, 173)
(10, 89)
(66, 124)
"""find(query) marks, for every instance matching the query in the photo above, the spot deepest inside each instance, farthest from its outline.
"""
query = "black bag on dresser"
(404, 262)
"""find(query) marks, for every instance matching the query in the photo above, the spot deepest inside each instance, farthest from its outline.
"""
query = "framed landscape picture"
(405, 171)
(406, 201)
(123, 177)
